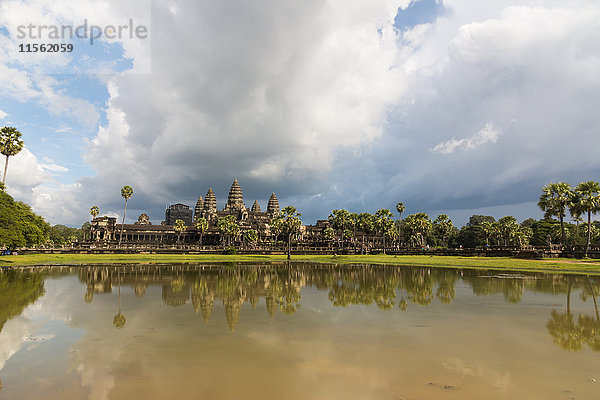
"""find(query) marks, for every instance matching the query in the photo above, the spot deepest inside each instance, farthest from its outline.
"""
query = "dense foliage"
(61, 235)
(19, 226)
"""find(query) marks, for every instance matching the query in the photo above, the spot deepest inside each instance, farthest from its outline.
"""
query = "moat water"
(298, 331)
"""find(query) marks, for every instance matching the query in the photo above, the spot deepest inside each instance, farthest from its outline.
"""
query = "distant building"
(178, 211)
(143, 232)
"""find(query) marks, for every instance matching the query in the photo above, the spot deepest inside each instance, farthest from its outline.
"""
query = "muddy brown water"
(297, 331)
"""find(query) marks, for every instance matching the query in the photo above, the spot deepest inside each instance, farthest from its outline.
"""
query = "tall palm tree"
(586, 200)
(201, 226)
(384, 222)
(443, 226)
(291, 225)
(365, 224)
(554, 201)
(126, 193)
(10, 145)
(94, 211)
(400, 208)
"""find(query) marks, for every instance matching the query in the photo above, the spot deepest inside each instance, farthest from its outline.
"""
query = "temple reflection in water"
(387, 287)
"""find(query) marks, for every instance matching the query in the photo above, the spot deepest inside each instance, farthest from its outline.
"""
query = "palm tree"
(179, 228)
(339, 220)
(201, 226)
(94, 211)
(10, 145)
(418, 225)
(487, 230)
(384, 222)
(586, 200)
(328, 235)
(400, 208)
(291, 225)
(365, 224)
(509, 228)
(554, 201)
(443, 226)
(126, 193)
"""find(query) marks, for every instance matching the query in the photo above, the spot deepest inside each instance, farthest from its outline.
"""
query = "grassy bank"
(500, 263)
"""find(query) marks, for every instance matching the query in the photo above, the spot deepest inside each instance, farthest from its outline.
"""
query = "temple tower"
(235, 200)
(255, 207)
(273, 206)
(209, 208)
(198, 208)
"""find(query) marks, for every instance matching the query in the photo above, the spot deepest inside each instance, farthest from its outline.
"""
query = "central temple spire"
(235, 200)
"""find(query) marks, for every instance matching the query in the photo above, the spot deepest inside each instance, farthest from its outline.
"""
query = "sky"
(457, 106)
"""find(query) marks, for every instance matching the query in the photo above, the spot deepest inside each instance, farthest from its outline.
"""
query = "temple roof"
(198, 208)
(255, 207)
(210, 201)
(273, 206)
(235, 199)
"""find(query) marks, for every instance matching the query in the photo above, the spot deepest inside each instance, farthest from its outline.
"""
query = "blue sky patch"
(417, 13)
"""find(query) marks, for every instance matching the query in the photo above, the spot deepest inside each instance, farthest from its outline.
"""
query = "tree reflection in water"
(562, 327)
(280, 284)
(18, 289)
(119, 319)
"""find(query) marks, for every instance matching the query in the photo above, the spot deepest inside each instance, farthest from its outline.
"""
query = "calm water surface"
(297, 332)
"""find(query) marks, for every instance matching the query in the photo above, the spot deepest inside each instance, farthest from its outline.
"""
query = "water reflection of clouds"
(12, 337)
(320, 345)
(497, 379)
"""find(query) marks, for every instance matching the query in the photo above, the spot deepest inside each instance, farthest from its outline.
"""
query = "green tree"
(443, 227)
(417, 226)
(508, 228)
(251, 237)
(126, 193)
(477, 220)
(556, 198)
(383, 223)
(400, 208)
(586, 200)
(19, 226)
(10, 145)
(228, 227)
(366, 223)
(524, 235)
(290, 225)
(179, 227)
(276, 227)
(328, 235)
(340, 221)
(61, 235)
(201, 227)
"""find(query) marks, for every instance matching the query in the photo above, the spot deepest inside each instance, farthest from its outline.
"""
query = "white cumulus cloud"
(485, 135)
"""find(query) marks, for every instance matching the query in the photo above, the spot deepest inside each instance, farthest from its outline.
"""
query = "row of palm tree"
(558, 198)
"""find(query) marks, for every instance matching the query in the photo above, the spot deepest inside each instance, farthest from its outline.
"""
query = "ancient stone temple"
(143, 219)
(209, 208)
(273, 206)
(143, 232)
(235, 200)
(198, 208)
(178, 211)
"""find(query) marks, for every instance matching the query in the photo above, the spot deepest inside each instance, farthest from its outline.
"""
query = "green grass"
(588, 266)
